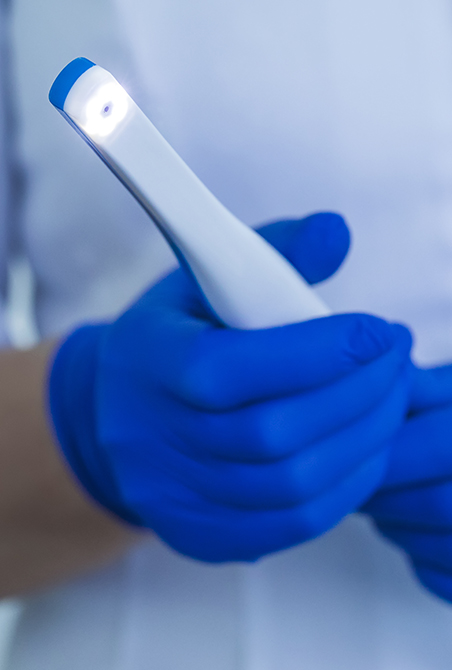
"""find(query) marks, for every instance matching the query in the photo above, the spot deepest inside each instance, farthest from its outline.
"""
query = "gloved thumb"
(316, 245)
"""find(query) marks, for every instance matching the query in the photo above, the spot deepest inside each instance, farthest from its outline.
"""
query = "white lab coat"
(282, 107)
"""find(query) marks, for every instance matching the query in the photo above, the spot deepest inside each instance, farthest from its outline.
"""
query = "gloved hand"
(414, 506)
(232, 444)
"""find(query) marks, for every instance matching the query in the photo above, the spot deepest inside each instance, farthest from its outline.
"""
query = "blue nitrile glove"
(233, 444)
(414, 506)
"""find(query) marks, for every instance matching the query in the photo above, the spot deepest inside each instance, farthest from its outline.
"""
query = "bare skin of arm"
(49, 529)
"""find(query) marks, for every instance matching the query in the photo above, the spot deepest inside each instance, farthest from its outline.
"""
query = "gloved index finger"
(224, 369)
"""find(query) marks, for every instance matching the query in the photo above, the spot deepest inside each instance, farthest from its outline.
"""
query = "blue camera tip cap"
(66, 80)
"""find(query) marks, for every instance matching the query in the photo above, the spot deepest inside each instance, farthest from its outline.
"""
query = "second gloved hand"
(414, 506)
(232, 444)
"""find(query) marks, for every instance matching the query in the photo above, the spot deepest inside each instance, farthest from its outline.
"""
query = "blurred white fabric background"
(9, 613)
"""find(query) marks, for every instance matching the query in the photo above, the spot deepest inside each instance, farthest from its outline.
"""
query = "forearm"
(49, 529)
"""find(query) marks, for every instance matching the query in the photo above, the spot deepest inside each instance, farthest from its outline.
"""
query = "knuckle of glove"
(281, 485)
(272, 435)
(201, 380)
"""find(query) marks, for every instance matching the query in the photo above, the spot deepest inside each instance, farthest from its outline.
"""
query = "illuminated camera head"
(91, 97)
(105, 109)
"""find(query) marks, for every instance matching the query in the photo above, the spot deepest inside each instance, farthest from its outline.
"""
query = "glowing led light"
(105, 110)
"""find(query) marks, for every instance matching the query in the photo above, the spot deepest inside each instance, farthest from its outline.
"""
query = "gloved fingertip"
(403, 339)
(320, 246)
(316, 245)
(369, 338)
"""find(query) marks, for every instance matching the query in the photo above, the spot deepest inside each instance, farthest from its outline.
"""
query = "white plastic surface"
(245, 280)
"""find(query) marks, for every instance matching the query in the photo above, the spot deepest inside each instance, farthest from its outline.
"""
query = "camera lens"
(107, 109)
